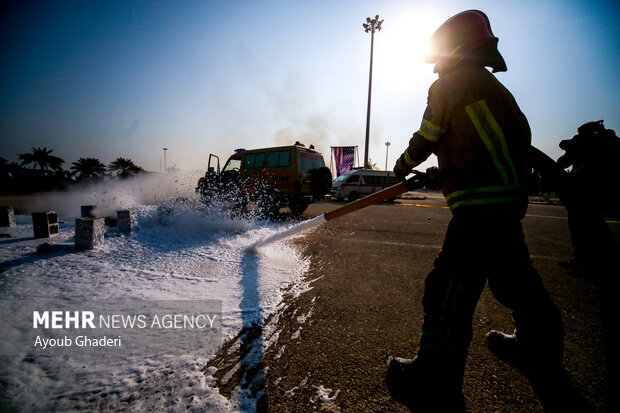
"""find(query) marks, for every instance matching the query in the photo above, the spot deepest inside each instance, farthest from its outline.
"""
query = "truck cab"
(283, 176)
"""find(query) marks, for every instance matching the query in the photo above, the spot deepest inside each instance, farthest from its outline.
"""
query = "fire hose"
(546, 166)
(540, 161)
(416, 182)
(413, 183)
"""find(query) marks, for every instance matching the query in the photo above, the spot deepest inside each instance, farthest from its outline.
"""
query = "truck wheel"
(353, 196)
(298, 206)
(270, 208)
(321, 181)
(272, 213)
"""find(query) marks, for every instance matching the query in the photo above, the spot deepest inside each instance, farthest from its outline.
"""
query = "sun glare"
(403, 47)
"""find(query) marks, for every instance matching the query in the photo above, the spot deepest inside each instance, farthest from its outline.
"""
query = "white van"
(361, 182)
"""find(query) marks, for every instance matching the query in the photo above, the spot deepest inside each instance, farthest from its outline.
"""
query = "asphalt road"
(367, 268)
(366, 304)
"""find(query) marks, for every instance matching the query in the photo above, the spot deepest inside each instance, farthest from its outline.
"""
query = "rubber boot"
(507, 348)
(424, 388)
(544, 371)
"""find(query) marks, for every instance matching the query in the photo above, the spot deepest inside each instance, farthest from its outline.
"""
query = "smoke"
(109, 195)
(312, 131)
(320, 130)
(303, 115)
(135, 125)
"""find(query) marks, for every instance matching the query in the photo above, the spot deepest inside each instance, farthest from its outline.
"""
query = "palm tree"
(88, 167)
(9, 168)
(42, 158)
(5, 168)
(123, 167)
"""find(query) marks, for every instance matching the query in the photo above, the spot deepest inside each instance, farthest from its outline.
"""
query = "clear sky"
(110, 78)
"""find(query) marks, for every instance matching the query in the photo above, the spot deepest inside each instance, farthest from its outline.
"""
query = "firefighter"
(592, 155)
(481, 138)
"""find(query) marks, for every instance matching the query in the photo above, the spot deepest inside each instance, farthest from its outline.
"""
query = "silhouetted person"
(482, 141)
(590, 191)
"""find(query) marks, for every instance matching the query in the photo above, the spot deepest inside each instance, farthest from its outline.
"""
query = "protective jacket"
(480, 136)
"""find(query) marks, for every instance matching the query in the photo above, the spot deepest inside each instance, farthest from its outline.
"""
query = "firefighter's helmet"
(462, 36)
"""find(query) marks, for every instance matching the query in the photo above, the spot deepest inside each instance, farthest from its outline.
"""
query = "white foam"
(326, 395)
(295, 229)
(197, 255)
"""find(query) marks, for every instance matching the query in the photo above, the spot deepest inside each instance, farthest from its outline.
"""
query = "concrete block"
(88, 211)
(7, 216)
(127, 220)
(45, 224)
(89, 232)
(111, 221)
(163, 213)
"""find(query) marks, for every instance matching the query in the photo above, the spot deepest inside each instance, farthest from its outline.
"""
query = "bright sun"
(403, 46)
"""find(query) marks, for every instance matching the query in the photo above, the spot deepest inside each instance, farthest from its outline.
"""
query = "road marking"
(423, 206)
(545, 216)
(556, 217)
(527, 215)
(548, 257)
(398, 244)
(438, 247)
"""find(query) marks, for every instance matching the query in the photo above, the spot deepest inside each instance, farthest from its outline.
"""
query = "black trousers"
(598, 255)
(483, 245)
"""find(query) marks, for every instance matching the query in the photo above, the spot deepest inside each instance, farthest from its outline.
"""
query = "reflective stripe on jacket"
(480, 136)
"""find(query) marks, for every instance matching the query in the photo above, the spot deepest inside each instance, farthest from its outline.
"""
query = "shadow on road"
(55, 250)
(245, 368)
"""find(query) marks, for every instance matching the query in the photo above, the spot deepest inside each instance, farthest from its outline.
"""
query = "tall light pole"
(387, 146)
(370, 26)
(164, 149)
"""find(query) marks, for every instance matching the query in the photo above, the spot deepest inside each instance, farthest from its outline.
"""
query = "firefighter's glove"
(432, 180)
(402, 169)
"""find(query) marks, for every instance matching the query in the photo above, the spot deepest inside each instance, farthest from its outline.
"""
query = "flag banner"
(344, 157)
